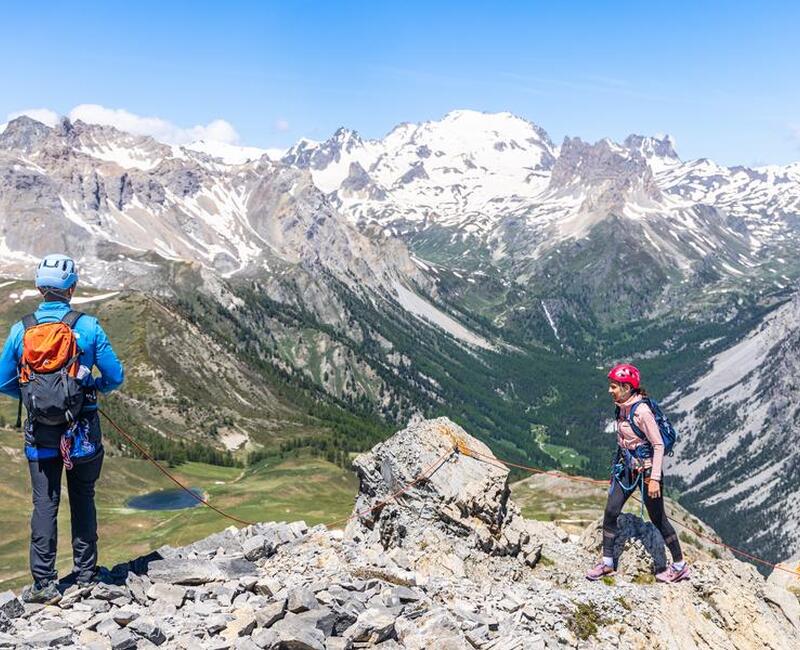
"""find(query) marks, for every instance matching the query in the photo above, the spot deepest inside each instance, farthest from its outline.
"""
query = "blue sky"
(722, 78)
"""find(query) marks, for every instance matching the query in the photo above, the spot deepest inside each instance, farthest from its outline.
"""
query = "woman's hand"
(653, 488)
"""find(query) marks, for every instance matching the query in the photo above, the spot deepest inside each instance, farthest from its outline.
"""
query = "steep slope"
(739, 423)
(183, 383)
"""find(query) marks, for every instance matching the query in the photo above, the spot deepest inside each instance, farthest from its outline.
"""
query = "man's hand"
(653, 488)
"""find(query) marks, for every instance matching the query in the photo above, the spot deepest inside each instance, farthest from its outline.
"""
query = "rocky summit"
(443, 561)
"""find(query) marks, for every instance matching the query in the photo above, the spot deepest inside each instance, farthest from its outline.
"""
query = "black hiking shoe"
(83, 582)
(44, 593)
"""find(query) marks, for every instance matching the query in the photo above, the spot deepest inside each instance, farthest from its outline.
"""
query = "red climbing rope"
(485, 458)
(380, 504)
(493, 460)
(166, 472)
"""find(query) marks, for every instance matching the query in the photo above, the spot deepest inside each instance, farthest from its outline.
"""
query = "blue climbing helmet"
(56, 272)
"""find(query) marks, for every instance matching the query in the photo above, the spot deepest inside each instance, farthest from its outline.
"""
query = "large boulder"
(783, 589)
(460, 509)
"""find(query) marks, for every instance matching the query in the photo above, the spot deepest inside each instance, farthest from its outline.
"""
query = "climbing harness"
(629, 472)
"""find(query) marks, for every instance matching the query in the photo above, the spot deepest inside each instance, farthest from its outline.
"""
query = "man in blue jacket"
(56, 278)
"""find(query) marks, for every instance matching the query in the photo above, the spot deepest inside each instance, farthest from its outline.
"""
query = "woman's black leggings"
(655, 508)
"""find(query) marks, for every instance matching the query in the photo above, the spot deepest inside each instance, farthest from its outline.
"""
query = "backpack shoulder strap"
(636, 429)
(29, 320)
(71, 317)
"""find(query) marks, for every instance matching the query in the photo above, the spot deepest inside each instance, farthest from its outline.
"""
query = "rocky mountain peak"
(481, 136)
(24, 133)
(347, 139)
(614, 173)
(653, 147)
(318, 156)
(463, 506)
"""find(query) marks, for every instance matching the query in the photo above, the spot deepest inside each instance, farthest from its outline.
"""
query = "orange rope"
(166, 473)
(535, 470)
(485, 458)
(493, 460)
(426, 474)
(380, 504)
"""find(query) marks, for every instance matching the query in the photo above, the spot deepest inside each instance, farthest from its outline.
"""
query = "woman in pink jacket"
(643, 459)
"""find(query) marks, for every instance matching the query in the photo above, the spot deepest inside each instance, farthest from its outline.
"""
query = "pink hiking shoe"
(600, 570)
(671, 574)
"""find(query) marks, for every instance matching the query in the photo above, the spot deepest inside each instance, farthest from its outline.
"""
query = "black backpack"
(49, 387)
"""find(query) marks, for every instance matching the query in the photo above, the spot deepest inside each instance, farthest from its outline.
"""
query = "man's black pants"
(655, 508)
(46, 483)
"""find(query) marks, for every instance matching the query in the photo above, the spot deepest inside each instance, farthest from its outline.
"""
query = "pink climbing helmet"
(625, 373)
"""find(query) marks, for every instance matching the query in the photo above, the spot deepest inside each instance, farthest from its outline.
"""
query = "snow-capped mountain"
(497, 182)
(113, 199)
(449, 172)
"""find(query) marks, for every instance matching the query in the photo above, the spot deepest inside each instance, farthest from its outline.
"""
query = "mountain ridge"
(452, 267)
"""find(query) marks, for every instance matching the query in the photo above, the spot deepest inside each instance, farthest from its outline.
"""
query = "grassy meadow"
(301, 487)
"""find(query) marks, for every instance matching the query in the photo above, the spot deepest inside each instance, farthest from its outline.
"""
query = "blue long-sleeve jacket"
(95, 349)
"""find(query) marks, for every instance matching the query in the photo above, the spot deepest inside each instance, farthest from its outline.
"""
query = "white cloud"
(43, 115)
(161, 130)
(281, 125)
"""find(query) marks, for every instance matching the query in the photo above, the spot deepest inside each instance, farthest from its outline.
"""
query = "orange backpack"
(48, 370)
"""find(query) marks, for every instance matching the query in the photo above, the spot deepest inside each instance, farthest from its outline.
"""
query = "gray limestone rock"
(373, 625)
(254, 548)
(271, 613)
(242, 624)
(124, 639)
(169, 593)
(196, 572)
(294, 633)
(323, 618)
(301, 600)
(107, 627)
(50, 638)
(265, 638)
(103, 591)
(464, 498)
(124, 616)
(10, 605)
(147, 628)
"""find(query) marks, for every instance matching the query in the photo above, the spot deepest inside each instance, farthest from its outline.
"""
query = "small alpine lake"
(175, 499)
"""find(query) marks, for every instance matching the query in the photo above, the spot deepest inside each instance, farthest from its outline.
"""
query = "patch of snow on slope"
(17, 256)
(100, 296)
(27, 293)
(730, 367)
(232, 154)
(550, 320)
(425, 310)
(125, 157)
